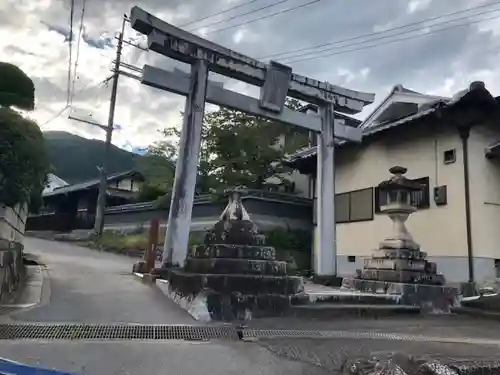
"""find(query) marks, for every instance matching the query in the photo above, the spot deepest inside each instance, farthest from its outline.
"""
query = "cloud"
(35, 33)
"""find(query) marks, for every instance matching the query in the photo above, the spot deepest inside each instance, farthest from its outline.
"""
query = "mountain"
(76, 158)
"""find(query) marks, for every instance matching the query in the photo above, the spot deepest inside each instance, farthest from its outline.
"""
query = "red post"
(150, 253)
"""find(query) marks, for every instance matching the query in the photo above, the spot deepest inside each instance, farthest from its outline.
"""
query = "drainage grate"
(115, 332)
(200, 333)
(281, 333)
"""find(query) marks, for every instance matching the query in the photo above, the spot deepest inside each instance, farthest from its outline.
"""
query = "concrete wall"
(12, 223)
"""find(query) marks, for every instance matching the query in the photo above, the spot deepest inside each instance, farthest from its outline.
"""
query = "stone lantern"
(397, 193)
(398, 271)
(398, 257)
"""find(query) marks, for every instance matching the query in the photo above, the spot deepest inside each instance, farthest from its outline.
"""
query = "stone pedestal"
(398, 266)
(233, 275)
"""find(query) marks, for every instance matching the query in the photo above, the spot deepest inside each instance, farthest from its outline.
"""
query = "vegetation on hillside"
(23, 159)
(75, 158)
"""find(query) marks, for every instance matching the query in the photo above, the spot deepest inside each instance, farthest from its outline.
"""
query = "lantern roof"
(399, 182)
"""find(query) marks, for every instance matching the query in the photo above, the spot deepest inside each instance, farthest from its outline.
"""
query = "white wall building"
(427, 135)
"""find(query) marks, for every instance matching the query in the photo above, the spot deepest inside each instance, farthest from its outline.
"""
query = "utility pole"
(103, 184)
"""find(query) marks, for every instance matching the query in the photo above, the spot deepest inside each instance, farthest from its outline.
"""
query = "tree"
(239, 149)
(23, 158)
(158, 168)
(16, 88)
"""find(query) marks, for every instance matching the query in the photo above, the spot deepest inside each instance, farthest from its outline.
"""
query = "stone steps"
(340, 296)
(326, 311)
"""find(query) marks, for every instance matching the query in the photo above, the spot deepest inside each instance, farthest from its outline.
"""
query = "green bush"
(120, 243)
(149, 193)
(23, 160)
(291, 240)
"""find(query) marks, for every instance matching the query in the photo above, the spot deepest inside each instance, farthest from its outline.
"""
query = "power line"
(378, 32)
(80, 33)
(265, 17)
(219, 13)
(392, 41)
(242, 14)
(391, 36)
(70, 43)
(63, 109)
(55, 116)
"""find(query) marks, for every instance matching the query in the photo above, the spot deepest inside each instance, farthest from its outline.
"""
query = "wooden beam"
(178, 83)
(181, 45)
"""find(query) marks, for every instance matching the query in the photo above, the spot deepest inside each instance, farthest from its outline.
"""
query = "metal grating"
(201, 333)
(115, 332)
(280, 333)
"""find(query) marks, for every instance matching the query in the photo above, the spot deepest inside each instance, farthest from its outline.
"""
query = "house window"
(351, 259)
(419, 199)
(354, 206)
(449, 156)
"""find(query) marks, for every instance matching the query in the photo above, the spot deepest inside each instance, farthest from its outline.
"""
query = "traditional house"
(451, 146)
(74, 206)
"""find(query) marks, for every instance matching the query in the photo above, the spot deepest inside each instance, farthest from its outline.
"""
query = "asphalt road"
(87, 286)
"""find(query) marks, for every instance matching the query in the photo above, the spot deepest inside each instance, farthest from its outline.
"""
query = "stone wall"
(12, 223)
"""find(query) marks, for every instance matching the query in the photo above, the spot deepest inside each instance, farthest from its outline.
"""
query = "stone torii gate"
(277, 82)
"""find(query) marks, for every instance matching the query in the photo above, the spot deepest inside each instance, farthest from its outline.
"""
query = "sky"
(367, 45)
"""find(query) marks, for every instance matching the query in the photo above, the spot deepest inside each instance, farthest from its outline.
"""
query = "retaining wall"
(12, 225)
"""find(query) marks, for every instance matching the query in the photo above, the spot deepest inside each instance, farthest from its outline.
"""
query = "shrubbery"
(23, 160)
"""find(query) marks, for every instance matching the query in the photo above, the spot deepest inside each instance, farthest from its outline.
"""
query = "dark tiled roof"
(476, 89)
(91, 183)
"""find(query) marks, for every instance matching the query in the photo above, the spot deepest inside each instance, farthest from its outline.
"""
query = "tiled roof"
(91, 183)
(475, 87)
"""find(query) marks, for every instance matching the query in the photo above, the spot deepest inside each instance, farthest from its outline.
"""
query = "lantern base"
(430, 298)
(414, 276)
(399, 243)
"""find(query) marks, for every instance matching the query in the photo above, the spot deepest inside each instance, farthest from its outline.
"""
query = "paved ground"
(87, 286)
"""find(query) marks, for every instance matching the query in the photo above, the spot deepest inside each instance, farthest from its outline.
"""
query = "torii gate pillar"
(181, 207)
(325, 248)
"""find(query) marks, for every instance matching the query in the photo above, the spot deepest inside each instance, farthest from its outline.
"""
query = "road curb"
(31, 293)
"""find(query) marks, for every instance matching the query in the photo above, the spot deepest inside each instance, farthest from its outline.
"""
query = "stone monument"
(233, 275)
(398, 266)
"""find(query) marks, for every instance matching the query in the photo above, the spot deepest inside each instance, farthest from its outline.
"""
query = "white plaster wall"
(440, 230)
(485, 193)
(126, 184)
